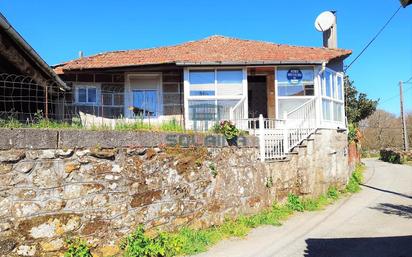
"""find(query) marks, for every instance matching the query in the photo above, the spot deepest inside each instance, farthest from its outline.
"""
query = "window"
(295, 81)
(202, 83)
(332, 96)
(340, 88)
(216, 82)
(112, 95)
(145, 103)
(229, 82)
(86, 95)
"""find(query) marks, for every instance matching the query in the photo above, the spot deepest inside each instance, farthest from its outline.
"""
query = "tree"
(381, 130)
(358, 106)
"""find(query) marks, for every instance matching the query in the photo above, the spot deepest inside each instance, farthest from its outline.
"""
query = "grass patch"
(138, 125)
(356, 179)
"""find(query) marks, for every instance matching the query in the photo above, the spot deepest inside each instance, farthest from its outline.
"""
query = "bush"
(392, 156)
(227, 128)
(162, 245)
(294, 203)
(77, 248)
(355, 180)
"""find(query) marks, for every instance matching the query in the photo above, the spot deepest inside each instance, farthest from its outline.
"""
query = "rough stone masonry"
(84, 184)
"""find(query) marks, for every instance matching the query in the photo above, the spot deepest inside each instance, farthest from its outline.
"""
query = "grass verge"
(188, 241)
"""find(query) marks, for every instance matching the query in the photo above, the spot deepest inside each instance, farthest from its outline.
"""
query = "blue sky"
(59, 29)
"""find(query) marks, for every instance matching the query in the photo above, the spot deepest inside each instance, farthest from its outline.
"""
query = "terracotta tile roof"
(211, 50)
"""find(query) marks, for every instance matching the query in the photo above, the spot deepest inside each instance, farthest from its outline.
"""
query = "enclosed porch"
(282, 105)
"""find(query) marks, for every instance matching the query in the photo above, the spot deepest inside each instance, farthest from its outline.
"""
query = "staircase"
(278, 137)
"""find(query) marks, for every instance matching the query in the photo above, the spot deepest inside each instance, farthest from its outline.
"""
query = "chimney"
(330, 36)
(80, 54)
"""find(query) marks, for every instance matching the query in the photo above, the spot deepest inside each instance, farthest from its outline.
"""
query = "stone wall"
(101, 194)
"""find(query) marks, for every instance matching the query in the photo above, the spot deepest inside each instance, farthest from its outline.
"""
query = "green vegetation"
(188, 241)
(393, 156)
(139, 244)
(355, 180)
(42, 123)
(77, 248)
(358, 106)
(227, 128)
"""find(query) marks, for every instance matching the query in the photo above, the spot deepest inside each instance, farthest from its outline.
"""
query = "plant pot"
(232, 141)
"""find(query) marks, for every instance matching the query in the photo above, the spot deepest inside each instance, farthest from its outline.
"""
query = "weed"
(163, 245)
(171, 125)
(355, 180)
(333, 193)
(213, 169)
(269, 182)
(77, 248)
(294, 203)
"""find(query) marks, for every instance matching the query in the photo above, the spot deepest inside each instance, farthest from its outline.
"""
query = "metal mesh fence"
(22, 99)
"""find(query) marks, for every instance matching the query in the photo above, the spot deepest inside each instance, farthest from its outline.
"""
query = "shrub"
(355, 180)
(333, 193)
(162, 245)
(77, 248)
(294, 203)
(227, 128)
(352, 133)
(392, 156)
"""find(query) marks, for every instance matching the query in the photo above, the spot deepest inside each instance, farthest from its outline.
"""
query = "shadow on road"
(399, 210)
(360, 247)
(387, 191)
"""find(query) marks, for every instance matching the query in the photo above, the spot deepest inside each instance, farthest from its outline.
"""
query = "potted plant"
(229, 131)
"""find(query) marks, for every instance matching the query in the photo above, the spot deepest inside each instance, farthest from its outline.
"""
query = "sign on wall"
(294, 76)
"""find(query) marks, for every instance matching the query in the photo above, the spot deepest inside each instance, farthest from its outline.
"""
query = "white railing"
(278, 137)
(301, 122)
(238, 114)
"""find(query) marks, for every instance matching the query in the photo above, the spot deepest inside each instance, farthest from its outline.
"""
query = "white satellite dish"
(325, 21)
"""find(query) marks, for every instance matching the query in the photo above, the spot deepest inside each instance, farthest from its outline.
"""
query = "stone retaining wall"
(102, 194)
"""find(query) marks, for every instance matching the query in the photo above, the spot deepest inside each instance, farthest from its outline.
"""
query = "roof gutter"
(30, 51)
(248, 63)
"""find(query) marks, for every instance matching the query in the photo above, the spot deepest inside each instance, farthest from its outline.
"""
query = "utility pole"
(404, 131)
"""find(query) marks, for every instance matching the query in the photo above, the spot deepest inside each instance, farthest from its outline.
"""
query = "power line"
(397, 95)
(374, 38)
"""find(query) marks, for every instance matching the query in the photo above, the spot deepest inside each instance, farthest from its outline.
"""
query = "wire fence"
(24, 100)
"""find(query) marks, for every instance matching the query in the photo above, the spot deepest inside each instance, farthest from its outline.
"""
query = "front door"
(257, 96)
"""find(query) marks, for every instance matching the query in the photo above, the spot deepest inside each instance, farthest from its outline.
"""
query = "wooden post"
(404, 131)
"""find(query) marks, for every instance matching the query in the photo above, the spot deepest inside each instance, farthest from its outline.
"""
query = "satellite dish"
(325, 21)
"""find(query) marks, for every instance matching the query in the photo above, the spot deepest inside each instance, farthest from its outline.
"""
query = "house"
(27, 83)
(216, 78)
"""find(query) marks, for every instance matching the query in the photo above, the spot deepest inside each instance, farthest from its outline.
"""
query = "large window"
(332, 96)
(202, 83)
(216, 82)
(295, 86)
(86, 95)
(295, 81)
(213, 93)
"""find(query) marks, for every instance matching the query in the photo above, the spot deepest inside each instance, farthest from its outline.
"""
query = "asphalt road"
(377, 222)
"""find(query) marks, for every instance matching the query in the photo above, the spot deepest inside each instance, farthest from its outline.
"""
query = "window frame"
(87, 87)
(278, 83)
(334, 95)
(216, 96)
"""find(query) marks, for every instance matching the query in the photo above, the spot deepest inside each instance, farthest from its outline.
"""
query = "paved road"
(377, 222)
